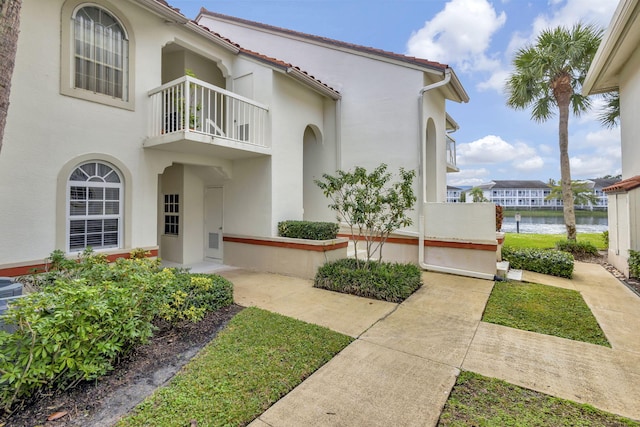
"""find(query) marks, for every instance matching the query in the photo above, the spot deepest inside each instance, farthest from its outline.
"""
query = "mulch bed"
(101, 403)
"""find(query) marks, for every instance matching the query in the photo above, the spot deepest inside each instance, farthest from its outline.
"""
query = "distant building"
(453, 194)
(532, 194)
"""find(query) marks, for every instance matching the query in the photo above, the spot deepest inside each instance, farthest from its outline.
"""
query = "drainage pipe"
(423, 189)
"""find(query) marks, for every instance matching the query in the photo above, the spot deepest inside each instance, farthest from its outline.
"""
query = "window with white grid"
(94, 207)
(172, 214)
(100, 52)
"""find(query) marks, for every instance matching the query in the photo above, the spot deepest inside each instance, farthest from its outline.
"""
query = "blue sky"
(478, 38)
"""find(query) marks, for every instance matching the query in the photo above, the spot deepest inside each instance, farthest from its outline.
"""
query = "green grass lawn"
(545, 310)
(548, 241)
(258, 358)
(488, 402)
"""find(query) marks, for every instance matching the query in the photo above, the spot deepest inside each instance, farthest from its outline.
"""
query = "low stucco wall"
(281, 255)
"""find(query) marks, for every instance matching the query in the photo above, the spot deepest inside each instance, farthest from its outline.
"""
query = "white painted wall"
(48, 133)
(379, 107)
(629, 113)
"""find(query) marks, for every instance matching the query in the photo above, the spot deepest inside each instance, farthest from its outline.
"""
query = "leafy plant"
(371, 206)
(379, 280)
(605, 239)
(90, 313)
(75, 330)
(634, 263)
(499, 217)
(190, 296)
(312, 230)
(477, 194)
(555, 263)
(577, 249)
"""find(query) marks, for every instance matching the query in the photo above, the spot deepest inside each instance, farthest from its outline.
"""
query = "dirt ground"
(102, 403)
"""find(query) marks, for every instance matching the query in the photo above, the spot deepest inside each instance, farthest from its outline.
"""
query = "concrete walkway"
(406, 357)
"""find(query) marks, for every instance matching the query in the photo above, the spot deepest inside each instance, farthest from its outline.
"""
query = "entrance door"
(213, 223)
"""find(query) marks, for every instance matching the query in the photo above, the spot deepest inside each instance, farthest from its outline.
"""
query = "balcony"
(191, 116)
(451, 155)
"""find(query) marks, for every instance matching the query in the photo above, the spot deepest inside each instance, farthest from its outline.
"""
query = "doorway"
(213, 198)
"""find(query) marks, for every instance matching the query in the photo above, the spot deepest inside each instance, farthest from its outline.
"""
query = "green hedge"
(308, 230)
(577, 249)
(383, 281)
(634, 263)
(552, 262)
(88, 314)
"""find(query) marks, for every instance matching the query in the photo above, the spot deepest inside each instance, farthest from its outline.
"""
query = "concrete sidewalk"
(406, 357)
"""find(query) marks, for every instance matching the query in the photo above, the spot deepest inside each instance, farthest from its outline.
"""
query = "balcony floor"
(205, 145)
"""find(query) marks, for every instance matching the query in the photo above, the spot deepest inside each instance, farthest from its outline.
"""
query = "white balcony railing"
(191, 105)
(451, 151)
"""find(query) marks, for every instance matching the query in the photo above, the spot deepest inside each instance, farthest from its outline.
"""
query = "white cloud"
(492, 149)
(585, 167)
(459, 35)
(603, 138)
(565, 13)
(528, 164)
(545, 149)
(466, 177)
(496, 82)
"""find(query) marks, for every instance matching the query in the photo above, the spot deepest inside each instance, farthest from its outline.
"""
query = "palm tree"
(582, 193)
(477, 194)
(9, 22)
(610, 115)
(549, 75)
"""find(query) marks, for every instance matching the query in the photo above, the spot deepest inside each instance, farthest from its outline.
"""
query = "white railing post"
(206, 109)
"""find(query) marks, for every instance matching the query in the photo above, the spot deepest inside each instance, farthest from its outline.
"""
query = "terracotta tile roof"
(260, 57)
(624, 185)
(365, 49)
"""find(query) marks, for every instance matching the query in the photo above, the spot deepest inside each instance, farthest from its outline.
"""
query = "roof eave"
(600, 77)
(313, 83)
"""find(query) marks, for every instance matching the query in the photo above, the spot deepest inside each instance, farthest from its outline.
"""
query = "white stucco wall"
(379, 106)
(49, 133)
(629, 113)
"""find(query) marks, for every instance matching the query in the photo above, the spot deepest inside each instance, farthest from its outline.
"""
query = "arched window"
(100, 52)
(94, 207)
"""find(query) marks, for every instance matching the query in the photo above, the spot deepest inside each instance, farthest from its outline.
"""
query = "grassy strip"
(255, 361)
(551, 213)
(481, 401)
(545, 310)
(548, 241)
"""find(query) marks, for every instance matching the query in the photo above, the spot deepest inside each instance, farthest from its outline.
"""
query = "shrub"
(383, 281)
(577, 249)
(74, 330)
(191, 296)
(605, 239)
(499, 217)
(555, 263)
(634, 263)
(89, 314)
(308, 230)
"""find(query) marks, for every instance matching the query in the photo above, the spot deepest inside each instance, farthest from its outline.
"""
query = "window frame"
(68, 56)
(88, 184)
(171, 212)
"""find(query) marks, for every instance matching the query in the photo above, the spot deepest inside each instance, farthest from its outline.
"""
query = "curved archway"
(430, 162)
(311, 170)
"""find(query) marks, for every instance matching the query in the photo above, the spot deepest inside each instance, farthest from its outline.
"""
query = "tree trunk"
(562, 91)
(9, 23)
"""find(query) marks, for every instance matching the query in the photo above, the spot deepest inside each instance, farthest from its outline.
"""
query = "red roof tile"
(624, 185)
(371, 50)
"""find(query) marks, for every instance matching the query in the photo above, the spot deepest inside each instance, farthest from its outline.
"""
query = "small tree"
(371, 206)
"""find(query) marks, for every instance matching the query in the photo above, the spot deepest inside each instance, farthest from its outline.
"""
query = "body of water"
(554, 224)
